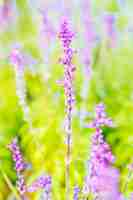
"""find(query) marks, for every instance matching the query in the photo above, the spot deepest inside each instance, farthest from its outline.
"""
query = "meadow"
(39, 98)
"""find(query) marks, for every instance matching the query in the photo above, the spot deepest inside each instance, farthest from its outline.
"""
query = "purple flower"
(5, 13)
(17, 156)
(18, 61)
(101, 152)
(101, 118)
(21, 184)
(106, 183)
(131, 196)
(20, 165)
(43, 182)
(76, 193)
(47, 27)
(66, 36)
(110, 29)
(100, 168)
(89, 32)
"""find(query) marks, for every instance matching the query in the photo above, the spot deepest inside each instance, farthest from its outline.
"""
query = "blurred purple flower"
(48, 29)
(20, 165)
(106, 183)
(101, 160)
(18, 61)
(89, 38)
(17, 156)
(110, 29)
(131, 196)
(66, 36)
(43, 182)
(76, 193)
(21, 184)
(5, 12)
(101, 118)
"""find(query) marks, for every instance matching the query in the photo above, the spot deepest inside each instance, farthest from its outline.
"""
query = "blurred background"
(103, 42)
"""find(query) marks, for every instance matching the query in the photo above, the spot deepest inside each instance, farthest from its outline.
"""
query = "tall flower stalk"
(20, 166)
(110, 29)
(46, 39)
(17, 60)
(43, 182)
(89, 39)
(100, 165)
(66, 36)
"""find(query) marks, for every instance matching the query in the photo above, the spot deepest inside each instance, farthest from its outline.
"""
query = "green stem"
(127, 181)
(10, 185)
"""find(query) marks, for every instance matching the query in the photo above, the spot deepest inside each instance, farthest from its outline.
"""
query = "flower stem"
(68, 153)
(127, 181)
(9, 184)
(68, 166)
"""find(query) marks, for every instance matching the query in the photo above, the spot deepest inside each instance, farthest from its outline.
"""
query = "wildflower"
(17, 155)
(43, 182)
(5, 13)
(20, 165)
(100, 166)
(101, 119)
(17, 60)
(131, 196)
(66, 36)
(47, 27)
(21, 184)
(110, 29)
(89, 38)
(76, 193)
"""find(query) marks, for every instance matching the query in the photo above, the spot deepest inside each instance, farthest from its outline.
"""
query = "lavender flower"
(5, 12)
(100, 169)
(17, 156)
(131, 196)
(20, 165)
(106, 183)
(101, 118)
(101, 152)
(110, 29)
(17, 60)
(47, 27)
(43, 182)
(76, 193)
(66, 36)
(89, 38)
(21, 185)
(47, 35)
